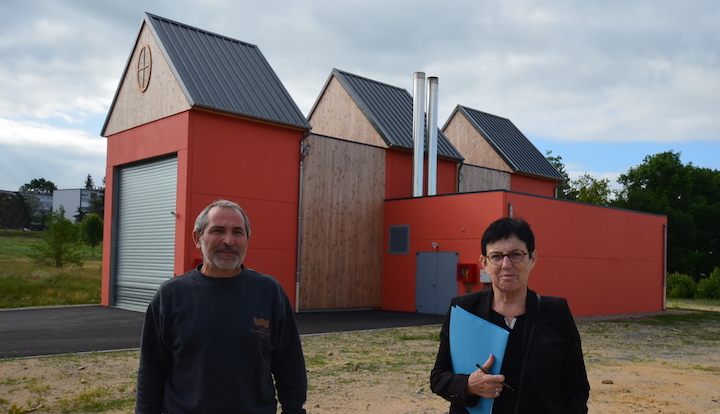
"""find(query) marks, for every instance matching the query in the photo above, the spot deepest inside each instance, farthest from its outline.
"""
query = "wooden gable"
(472, 145)
(337, 115)
(144, 96)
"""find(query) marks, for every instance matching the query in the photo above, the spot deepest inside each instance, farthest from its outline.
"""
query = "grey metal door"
(436, 282)
(144, 231)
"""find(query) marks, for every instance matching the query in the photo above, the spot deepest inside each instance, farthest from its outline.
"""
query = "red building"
(198, 116)
(183, 131)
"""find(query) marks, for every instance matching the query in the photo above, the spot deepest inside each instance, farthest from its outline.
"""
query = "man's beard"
(224, 264)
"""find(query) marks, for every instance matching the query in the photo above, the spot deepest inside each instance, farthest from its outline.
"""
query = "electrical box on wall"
(467, 272)
(484, 277)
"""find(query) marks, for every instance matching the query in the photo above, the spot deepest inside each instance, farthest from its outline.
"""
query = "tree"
(586, 188)
(564, 191)
(690, 197)
(92, 231)
(80, 215)
(89, 183)
(15, 211)
(24, 210)
(590, 190)
(60, 246)
(35, 209)
(7, 211)
(39, 184)
(97, 204)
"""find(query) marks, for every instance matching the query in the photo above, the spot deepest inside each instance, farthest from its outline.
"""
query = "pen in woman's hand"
(488, 372)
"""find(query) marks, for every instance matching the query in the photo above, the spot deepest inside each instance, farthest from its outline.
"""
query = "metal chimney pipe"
(418, 132)
(432, 134)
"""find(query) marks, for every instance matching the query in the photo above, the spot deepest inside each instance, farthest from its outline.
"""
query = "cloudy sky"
(600, 83)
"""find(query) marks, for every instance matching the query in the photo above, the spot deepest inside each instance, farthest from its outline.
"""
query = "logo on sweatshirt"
(262, 322)
(262, 326)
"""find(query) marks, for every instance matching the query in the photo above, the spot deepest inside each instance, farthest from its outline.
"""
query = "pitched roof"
(223, 74)
(514, 148)
(390, 111)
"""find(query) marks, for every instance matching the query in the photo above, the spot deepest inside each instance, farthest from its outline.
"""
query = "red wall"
(532, 185)
(251, 163)
(164, 137)
(603, 260)
(398, 174)
(399, 171)
(446, 177)
(257, 166)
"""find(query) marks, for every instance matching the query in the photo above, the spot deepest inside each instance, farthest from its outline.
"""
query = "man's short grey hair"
(202, 219)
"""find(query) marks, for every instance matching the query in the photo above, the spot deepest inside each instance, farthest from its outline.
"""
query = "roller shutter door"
(144, 231)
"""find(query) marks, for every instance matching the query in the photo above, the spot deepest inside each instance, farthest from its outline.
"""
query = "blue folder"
(472, 340)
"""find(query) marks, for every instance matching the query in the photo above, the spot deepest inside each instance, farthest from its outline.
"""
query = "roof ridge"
(484, 112)
(346, 73)
(208, 32)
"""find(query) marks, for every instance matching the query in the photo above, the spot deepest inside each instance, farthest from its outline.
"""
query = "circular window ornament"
(144, 67)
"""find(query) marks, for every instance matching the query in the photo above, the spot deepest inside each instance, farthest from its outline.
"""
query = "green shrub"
(680, 286)
(709, 287)
(61, 244)
(91, 231)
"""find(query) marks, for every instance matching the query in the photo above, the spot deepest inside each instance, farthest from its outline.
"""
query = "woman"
(543, 362)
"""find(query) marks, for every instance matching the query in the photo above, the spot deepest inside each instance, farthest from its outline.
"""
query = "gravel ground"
(651, 363)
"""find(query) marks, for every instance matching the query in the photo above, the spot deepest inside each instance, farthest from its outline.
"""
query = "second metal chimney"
(432, 134)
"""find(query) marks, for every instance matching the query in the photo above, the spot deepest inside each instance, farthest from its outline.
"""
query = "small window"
(399, 239)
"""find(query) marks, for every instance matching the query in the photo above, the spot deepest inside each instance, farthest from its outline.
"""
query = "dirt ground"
(635, 365)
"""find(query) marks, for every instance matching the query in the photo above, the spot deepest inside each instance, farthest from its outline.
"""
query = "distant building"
(44, 198)
(72, 199)
(41, 203)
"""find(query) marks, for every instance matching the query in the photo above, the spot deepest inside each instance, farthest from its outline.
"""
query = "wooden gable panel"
(162, 98)
(337, 115)
(483, 179)
(472, 145)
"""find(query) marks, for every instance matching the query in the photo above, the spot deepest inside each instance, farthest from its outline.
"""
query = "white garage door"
(144, 233)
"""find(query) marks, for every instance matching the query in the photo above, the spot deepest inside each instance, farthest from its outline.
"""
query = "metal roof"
(390, 111)
(223, 74)
(517, 151)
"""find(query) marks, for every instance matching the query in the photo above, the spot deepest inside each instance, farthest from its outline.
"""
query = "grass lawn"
(24, 283)
(696, 304)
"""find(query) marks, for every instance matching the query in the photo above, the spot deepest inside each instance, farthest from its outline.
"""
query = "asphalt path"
(33, 332)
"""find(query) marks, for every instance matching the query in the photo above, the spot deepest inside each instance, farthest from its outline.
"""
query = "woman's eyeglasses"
(515, 256)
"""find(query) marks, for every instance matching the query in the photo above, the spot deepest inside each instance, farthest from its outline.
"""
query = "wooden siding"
(337, 115)
(162, 98)
(342, 225)
(472, 145)
(474, 178)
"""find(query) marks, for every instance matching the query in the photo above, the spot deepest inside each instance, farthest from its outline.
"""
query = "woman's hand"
(485, 385)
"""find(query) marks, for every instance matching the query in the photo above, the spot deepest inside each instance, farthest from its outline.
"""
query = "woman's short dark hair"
(505, 228)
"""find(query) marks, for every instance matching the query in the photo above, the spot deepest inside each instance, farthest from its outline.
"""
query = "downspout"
(460, 176)
(303, 151)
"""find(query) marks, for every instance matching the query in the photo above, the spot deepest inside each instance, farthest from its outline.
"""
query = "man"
(215, 338)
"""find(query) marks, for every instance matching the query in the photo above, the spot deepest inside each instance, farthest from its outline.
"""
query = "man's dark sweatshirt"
(214, 345)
